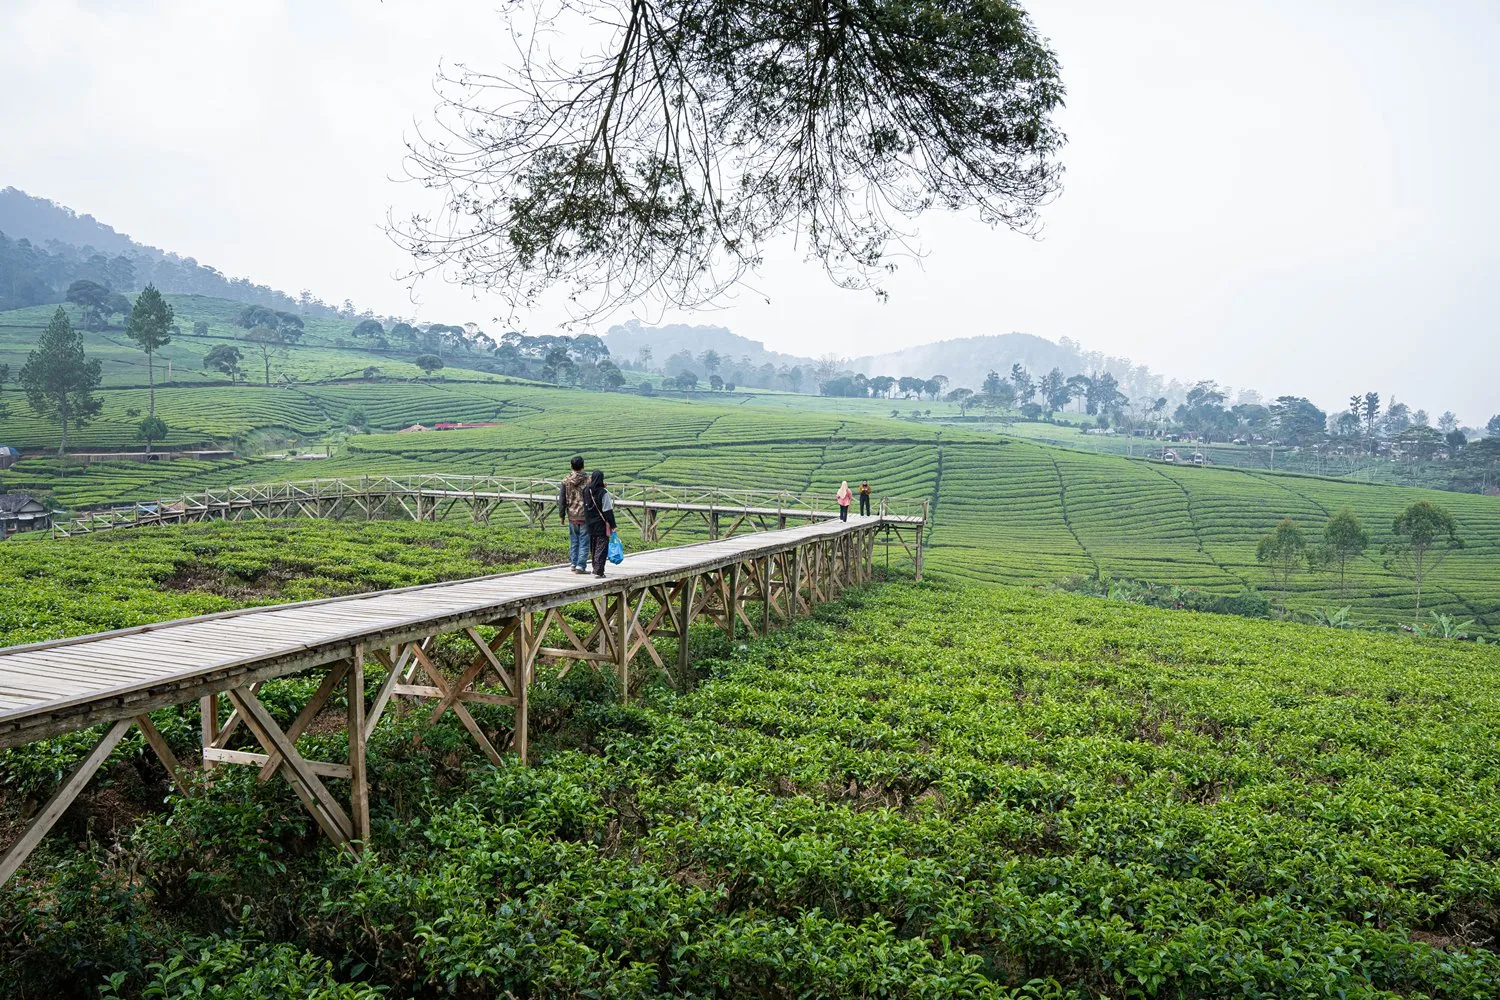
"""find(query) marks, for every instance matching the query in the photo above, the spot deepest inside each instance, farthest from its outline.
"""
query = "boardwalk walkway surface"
(117, 678)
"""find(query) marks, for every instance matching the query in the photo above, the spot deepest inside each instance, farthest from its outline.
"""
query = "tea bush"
(923, 791)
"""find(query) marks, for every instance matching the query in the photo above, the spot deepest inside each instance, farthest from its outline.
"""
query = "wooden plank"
(318, 767)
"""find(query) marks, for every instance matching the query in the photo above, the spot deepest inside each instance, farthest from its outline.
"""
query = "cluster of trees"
(59, 379)
(1423, 534)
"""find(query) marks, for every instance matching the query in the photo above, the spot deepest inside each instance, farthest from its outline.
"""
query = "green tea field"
(1005, 509)
(925, 791)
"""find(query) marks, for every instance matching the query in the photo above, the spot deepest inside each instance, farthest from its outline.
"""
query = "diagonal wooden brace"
(314, 794)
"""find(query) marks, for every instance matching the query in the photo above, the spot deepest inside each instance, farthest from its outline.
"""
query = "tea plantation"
(932, 790)
(1005, 510)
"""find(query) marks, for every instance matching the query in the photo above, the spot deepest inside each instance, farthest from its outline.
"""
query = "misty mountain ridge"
(965, 360)
(45, 246)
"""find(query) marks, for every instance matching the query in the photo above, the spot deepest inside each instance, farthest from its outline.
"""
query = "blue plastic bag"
(616, 548)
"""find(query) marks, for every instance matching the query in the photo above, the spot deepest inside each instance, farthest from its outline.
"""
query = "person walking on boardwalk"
(599, 510)
(844, 496)
(570, 507)
(864, 499)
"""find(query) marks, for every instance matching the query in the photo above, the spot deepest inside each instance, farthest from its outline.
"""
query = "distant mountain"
(626, 340)
(44, 247)
(966, 360)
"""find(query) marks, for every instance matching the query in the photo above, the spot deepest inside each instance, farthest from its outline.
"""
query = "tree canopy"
(660, 165)
(58, 380)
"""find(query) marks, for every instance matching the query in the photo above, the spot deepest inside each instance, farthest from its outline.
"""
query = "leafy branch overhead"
(660, 165)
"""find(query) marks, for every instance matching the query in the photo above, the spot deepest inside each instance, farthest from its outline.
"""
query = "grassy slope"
(200, 414)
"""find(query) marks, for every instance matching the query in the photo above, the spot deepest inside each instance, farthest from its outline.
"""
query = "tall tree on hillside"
(1298, 421)
(269, 342)
(991, 384)
(1021, 380)
(934, 386)
(430, 363)
(1448, 422)
(1282, 550)
(1054, 390)
(961, 396)
(1371, 414)
(881, 385)
(662, 160)
(224, 358)
(710, 361)
(58, 380)
(643, 358)
(1425, 534)
(91, 298)
(1344, 538)
(150, 326)
(1078, 388)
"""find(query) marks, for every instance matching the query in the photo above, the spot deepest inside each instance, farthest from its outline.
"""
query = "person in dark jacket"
(599, 512)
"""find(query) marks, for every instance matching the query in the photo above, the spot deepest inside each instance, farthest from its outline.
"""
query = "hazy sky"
(1292, 195)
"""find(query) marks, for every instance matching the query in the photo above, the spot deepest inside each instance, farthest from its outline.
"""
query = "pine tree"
(59, 382)
(150, 326)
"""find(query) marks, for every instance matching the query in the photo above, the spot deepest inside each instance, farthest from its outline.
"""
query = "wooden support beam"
(441, 682)
(314, 795)
(308, 714)
(318, 767)
(622, 644)
(765, 595)
(208, 722)
(158, 744)
(61, 799)
(521, 659)
(359, 787)
(734, 600)
(685, 619)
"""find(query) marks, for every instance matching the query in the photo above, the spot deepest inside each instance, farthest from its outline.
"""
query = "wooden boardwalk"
(653, 509)
(511, 621)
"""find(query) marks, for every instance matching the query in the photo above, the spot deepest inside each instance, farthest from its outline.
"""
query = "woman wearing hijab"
(599, 515)
(844, 496)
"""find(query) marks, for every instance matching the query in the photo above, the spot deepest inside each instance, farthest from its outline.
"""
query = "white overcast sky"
(1292, 195)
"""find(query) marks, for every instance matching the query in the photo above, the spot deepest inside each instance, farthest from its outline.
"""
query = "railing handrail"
(539, 487)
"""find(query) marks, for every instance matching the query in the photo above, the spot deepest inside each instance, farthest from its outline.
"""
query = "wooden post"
(208, 723)
(794, 606)
(919, 554)
(622, 643)
(733, 603)
(359, 789)
(521, 677)
(684, 619)
(765, 593)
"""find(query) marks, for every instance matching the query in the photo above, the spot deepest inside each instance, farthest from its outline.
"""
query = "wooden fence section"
(653, 509)
(511, 620)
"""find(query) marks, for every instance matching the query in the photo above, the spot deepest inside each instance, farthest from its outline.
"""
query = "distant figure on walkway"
(864, 499)
(570, 508)
(844, 496)
(599, 509)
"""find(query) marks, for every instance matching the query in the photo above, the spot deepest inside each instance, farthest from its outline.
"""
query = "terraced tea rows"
(1005, 510)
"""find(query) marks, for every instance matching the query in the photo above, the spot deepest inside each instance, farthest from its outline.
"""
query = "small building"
(22, 512)
(8, 456)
